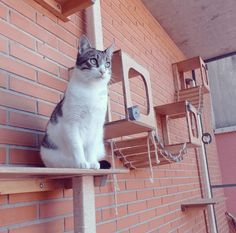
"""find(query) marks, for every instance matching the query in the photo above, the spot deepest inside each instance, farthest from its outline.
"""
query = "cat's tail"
(104, 164)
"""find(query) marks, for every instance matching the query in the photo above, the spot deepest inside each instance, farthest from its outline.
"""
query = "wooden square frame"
(189, 65)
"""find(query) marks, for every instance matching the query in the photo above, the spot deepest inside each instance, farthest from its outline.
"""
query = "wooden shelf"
(200, 202)
(182, 70)
(38, 179)
(82, 181)
(125, 127)
(175, 110)
(64, 8)
(53, 173)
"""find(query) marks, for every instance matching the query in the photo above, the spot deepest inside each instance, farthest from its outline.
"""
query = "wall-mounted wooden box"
(191, 73)
(178, 110)
(124, 69)
(64, 8)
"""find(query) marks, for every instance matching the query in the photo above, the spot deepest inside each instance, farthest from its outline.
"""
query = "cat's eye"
(108, 64)
(93, 61)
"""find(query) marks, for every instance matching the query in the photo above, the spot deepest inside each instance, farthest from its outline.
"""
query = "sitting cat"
(74, 136)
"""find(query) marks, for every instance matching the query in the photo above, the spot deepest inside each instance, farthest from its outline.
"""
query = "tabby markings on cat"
(74, 134)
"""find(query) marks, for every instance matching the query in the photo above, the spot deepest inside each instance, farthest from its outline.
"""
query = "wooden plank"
(33, 185)
(124, 127)
(189, 64)
(84, 204)
(53, 7)
(133, 142)
(53, 173)
(69, 7)
(200, 202)
(172, 108)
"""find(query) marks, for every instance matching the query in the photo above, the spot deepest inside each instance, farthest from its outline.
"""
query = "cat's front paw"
(94, 165)
(83, 165)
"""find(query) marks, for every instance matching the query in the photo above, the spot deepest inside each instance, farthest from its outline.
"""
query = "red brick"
(17, 214)
(147, 215)
(33, 29)
(74, 28)
(3, 11)
(134, 184)
(68, 193)
(3, 79)
(33, 58)
(3, 116)
(111, 212)
(2, 156)
(57, 30)
(45, 108)
(98, 215)
(33, 89)
(3, 199)
(68, 50)
(21, 7)
(107, 227)
(3, 45)
(144, 194)
(126, 197)
(127, 221)
(54, 226)
(102, 201)
(54, 55)
(140, 228)
(38, 196)
(15, 34)
(64, 73)
(135, 207)
(27, 121)
(69, 223)
(29, 157)
(13, 100)
(17, 67)
(154, 202)
(14, 137)
(53, 209)
(50, 81)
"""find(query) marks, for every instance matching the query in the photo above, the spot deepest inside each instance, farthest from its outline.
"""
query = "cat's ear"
(83, 44)
(109, 51)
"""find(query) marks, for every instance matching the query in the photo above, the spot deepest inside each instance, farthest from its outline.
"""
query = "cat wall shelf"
(191, 81)
(200, 203)
(64, 8)
(178, 110)
(124, 69)
(134, 137)
(82, 181)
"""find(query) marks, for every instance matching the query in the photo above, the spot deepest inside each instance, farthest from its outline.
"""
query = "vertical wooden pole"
(84, 204)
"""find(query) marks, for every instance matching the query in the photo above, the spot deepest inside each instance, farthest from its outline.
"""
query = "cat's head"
(94, 65)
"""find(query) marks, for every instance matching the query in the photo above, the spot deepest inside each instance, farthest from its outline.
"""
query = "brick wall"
(36, 51)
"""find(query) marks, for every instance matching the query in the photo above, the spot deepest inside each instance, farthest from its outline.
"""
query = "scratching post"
(84, 204)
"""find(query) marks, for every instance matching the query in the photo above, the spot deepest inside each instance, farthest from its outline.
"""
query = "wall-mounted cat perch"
(64, 8)
(143, 148)
(26, 179)
(125, 68)
(191, 81)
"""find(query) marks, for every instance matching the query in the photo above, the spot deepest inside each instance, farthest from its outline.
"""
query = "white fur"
(79, 132)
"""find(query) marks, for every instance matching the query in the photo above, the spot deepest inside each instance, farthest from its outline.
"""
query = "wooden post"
(84, 204)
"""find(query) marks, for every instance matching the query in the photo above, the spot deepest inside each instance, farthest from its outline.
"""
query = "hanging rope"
(171, 157)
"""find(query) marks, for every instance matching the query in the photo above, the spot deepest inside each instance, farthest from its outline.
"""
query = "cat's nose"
(102, 72)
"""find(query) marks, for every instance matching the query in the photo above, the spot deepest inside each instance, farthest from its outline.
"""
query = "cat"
(74, 134)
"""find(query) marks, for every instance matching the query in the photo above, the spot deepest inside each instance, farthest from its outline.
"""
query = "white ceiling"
(199, 27)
